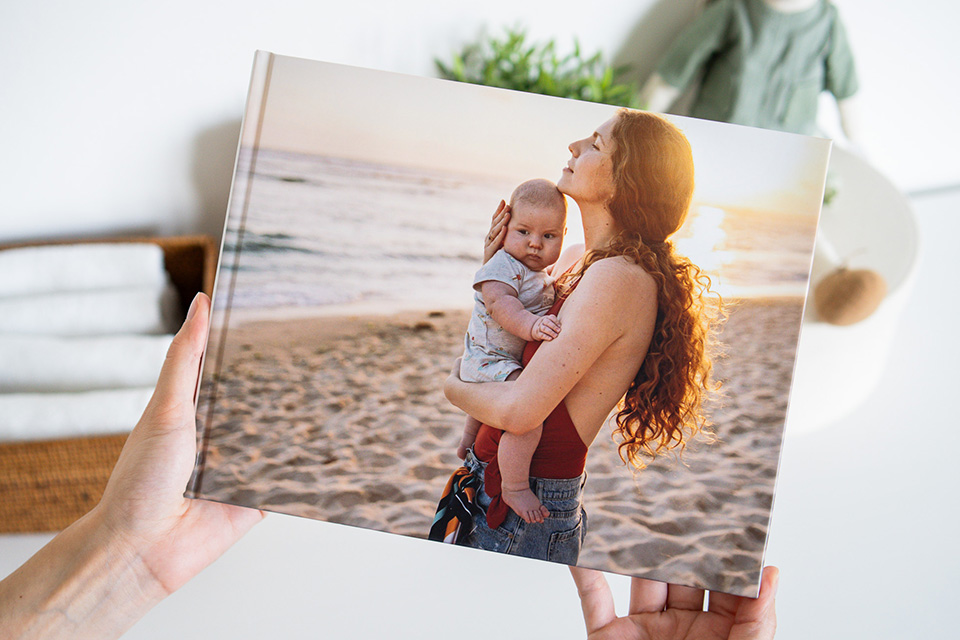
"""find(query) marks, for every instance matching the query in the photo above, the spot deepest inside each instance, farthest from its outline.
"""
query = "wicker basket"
(46, 485)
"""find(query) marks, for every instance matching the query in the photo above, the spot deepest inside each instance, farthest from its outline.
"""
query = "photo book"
(358, 212)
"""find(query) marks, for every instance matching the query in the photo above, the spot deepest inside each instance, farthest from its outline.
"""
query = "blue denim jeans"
(557, 539)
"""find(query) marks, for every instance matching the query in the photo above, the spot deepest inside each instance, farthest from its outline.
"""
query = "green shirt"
(762, 67)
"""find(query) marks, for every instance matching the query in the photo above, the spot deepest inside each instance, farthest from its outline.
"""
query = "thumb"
(757, 619)
(177, 384)
(596, 599)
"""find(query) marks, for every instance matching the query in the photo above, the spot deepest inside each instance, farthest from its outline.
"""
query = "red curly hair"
(653, 186)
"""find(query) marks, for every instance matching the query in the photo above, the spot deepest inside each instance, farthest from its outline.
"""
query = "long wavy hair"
(653, 186)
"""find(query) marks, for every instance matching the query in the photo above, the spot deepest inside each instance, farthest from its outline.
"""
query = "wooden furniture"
(45, 485)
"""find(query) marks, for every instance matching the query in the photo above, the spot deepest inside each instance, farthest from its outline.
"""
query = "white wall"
(908, 57)
(119, 116)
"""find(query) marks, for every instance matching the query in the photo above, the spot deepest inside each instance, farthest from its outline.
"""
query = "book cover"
(355, 227)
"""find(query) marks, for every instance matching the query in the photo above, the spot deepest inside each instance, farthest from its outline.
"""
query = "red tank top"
(560, 454)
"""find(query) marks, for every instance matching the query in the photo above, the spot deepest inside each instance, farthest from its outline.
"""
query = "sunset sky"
(336, 110)
(388, 118)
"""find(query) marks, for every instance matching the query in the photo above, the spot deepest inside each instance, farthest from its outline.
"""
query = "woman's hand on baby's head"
(498, 231)
(546, 328)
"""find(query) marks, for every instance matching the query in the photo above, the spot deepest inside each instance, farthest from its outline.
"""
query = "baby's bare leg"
(514, 455)
(469, 436)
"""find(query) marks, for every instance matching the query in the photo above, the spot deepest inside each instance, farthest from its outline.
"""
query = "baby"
(513, 292)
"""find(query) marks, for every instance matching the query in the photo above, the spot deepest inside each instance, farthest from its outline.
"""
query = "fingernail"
(193, 308)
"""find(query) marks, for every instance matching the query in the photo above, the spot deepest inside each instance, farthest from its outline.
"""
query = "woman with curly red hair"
(633, 338)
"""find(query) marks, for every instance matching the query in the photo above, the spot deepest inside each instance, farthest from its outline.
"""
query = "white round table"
(871, 225)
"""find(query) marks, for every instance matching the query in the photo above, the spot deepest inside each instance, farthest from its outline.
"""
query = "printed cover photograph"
(471, 315)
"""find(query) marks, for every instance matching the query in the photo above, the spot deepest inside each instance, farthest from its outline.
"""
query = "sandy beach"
(343, 419)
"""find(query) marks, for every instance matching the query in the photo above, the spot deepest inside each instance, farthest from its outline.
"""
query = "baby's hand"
(546, 328)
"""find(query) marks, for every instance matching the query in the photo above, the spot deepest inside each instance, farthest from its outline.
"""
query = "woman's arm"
(144, 539)
(608, 301)
(84, 584)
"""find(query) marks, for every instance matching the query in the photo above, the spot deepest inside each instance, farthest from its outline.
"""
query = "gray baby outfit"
(491, 353)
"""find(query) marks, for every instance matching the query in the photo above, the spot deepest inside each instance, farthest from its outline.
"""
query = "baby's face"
(535, 235)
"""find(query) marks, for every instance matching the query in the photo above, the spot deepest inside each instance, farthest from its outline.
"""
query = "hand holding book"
(659, 610)
(144, 540)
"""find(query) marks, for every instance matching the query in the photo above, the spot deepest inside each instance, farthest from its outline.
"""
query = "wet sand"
(343, 419)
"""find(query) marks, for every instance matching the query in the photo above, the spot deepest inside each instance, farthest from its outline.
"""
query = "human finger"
(498, 212)
(493, 242)
(552, 323)
(160, 453)
(647, 596)
(756, 619)
(686, 598)
(501, 219)
(498, 221)
(724, 604)
(547, 333)
(727, 604)
(502, 208)
(497, 233)
(501, 233)
(177, 383)
(502, 212)
(536, 331)
(596, 599)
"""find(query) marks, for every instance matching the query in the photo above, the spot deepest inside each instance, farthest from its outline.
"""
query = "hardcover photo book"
(345, 309)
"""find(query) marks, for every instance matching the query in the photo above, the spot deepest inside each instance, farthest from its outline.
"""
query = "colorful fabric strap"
(457, 508)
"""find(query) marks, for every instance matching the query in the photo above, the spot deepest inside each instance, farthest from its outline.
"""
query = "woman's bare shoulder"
(622, 273)
(613, 293)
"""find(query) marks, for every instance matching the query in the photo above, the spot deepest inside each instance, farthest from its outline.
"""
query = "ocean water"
(312, 234)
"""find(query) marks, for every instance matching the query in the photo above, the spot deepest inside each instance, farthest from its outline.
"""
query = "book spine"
(244, 169)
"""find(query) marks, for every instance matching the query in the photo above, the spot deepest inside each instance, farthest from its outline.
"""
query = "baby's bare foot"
(525, 504)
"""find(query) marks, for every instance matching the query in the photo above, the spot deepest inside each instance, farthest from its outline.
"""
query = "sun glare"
(700, 239)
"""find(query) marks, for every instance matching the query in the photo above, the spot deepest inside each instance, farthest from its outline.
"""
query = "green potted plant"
(511, 62)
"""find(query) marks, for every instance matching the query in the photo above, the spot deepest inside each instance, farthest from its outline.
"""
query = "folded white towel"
(150, 310)
(43, 416)
(80, 267)
(48, 364)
